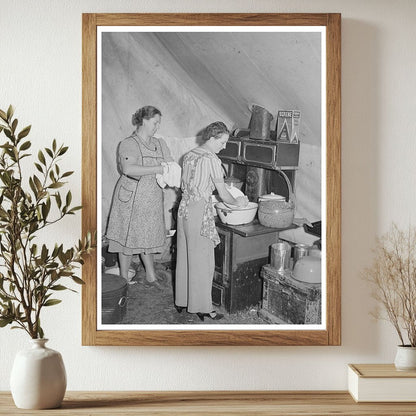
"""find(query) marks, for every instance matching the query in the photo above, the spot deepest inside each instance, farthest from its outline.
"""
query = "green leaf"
(78, 280)
(56, 185)
(62, 257)
(33, 187)
(24, 133)
(63, 150)
(45, 211)
(52, 176)
(25, 155)
(54, 145)
(41, 157)
(39, 167)
(44, 253)
(51, 302)
(3, 115)
(72, 210)
(8, 133)
(58, 199)
(59, 287)
(68, 199)
(55, 251)
(40, 331)
(49, 152)
(37, 183)
(67, 174)
(10, 112)
(5, 321)
(14, 125)
(25, 145)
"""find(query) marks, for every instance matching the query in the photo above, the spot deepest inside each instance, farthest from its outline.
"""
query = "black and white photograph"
(211, 177)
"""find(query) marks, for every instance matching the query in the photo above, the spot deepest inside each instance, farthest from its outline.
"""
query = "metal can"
(280, 256)
(299, 251)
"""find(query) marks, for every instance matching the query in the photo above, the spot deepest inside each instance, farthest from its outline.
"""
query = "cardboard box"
(284, 125)
(294, 138)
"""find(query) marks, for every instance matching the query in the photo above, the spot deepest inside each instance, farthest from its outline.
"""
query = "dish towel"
(171, 175)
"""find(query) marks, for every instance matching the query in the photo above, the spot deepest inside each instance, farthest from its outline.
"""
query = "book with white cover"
(381, 383)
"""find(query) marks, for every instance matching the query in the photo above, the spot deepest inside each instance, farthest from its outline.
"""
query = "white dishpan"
(236, 216)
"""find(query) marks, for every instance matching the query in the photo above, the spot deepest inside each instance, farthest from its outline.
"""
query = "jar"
(280, 256)
(274, 211)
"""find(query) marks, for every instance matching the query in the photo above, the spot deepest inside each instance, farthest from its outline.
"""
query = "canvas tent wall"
(196, 78)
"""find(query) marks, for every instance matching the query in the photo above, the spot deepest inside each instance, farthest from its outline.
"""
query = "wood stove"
(244, 249)
(258, 162)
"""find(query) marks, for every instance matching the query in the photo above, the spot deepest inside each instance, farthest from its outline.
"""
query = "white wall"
(40, 73)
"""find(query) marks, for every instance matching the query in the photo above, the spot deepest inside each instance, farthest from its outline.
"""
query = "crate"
(287, 300)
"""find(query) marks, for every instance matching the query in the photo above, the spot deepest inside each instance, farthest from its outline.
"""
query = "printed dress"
(196, 232)
(136, 222)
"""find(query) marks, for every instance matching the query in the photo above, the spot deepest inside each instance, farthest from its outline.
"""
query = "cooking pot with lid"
(274, 211)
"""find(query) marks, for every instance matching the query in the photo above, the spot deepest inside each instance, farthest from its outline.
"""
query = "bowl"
(308, 270)
(238, 215)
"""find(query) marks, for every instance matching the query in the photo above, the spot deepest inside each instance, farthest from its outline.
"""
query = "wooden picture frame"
(331, 334)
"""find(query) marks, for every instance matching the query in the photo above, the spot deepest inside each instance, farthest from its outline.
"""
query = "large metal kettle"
(260, 123)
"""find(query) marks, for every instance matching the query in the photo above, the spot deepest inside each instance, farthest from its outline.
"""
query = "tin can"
(280, 256)
(299, 251)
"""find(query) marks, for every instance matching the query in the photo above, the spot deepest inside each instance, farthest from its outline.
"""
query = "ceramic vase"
(405, 358)
(38, 377)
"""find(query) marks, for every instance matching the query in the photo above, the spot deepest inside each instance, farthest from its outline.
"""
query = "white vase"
(38, 377)
(405, 358)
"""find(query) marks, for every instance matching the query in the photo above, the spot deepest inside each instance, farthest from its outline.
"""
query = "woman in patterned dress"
(197, 235)
(136, 223)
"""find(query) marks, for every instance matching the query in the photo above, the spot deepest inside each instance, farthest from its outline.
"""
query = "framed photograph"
(184, 116)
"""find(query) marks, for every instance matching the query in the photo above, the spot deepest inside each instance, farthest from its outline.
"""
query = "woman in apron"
(197, 235)
(136, 223)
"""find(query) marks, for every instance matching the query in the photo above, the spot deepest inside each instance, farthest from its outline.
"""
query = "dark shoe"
(213, 315)
(155, 284)
(179, 309)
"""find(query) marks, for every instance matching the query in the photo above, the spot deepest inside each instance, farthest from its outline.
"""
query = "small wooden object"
(381, 383)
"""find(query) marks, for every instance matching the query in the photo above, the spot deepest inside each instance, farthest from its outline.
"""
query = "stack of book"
(381, 383)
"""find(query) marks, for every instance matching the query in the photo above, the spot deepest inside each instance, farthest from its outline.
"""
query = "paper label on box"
(284, 125)
(295, 126)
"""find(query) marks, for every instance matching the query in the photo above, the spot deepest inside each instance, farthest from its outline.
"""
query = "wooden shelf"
(221, 403)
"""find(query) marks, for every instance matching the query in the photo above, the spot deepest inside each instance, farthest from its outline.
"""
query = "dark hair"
(216, 129)
(147, 112)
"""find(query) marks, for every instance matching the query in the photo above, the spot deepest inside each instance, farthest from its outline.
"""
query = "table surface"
(252, 229)
(221, 403)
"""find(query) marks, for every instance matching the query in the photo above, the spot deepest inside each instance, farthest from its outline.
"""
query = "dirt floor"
(152, 305)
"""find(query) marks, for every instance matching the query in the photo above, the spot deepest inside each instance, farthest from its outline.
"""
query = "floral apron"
(208, 228)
